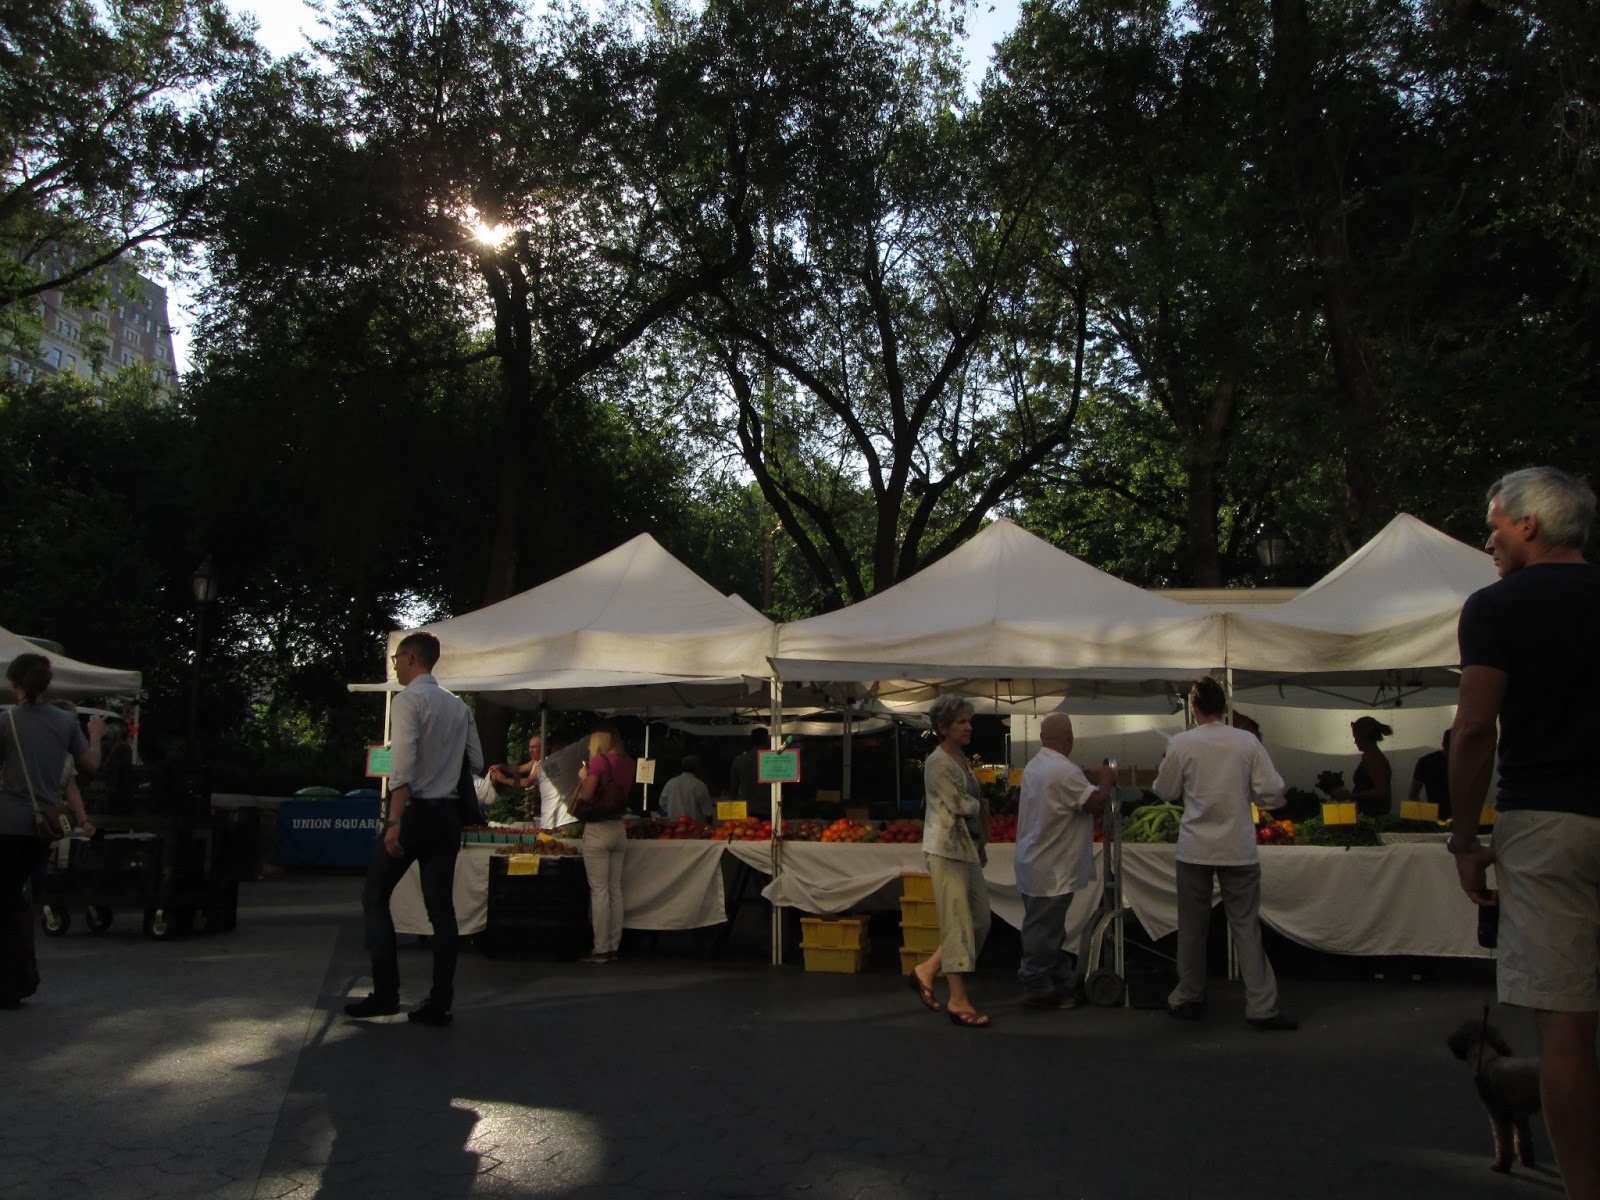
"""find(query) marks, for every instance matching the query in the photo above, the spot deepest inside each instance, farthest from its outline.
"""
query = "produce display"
(902, 831)
(544, 847)
(1152, 823)
(1276, 833)
(1003, 828)
(846, 830)
(503, 834)
(1363, 833)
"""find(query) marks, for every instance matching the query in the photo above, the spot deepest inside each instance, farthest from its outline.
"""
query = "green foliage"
(104, 136)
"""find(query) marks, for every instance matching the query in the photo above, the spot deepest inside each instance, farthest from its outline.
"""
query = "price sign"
(778, 766)
(732, 810)
(380, 761)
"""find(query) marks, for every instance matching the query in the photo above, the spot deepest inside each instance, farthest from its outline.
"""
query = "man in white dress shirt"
(430, 733)
(1055, 858)
(1218, 770)
(686, 795)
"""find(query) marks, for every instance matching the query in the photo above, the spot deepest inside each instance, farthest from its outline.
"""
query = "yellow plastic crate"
(837, 960)
(924, 939)
(1416, 810)
(911, 959)
(918, 912)
(916, 885)
(833, 933)
(1338, 814)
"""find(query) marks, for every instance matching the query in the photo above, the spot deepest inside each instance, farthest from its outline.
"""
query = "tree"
(885, 373)
(105, 132)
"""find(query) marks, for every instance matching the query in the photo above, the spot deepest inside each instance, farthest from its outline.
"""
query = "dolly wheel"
(1104, 988)
(56, 921)
(159, 924)
(97, 917)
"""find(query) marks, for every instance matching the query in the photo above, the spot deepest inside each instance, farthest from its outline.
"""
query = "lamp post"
(1272, 549)
(204, 585)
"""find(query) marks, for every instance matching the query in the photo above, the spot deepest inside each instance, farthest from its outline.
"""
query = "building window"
(66, 329)
(128, 359)
(72, 364)
(55, 357)
(102, 320)
(132, 336)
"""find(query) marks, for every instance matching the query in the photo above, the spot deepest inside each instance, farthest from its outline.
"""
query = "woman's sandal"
(968, 1020)
(924, 994)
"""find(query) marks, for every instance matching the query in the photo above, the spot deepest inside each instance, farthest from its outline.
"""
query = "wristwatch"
(1467, 847)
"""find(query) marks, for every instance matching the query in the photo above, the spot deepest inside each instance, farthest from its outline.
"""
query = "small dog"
(1508, 1086)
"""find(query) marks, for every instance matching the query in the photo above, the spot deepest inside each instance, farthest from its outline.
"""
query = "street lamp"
(1272, 548)
(204, 585)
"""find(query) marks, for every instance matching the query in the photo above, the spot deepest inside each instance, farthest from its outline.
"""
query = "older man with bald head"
(1055, 858)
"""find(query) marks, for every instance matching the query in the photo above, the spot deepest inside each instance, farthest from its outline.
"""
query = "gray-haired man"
(1530, 659)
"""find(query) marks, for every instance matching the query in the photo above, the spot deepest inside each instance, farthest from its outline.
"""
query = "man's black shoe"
(1189, 1010)
(1055, 999)
(371, 1007)
(1275, 1021)
(430, 1014)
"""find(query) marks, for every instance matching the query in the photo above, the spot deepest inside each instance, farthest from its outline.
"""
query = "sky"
(284, 24)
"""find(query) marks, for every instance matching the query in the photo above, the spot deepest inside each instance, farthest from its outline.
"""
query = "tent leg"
(776, 726)
(847, 771)
(646, 801)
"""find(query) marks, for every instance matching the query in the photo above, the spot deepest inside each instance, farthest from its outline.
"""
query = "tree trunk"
(1309, 173)
(522, 416)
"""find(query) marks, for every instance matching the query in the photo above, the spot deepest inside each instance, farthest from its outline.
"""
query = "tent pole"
(847, 772)
(896, 725)
(383, 784)
(647, 755)
(776, 727)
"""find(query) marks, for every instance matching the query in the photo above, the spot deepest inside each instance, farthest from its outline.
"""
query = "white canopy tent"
(1381, 625)
(71, 679)
(634, 628)
(1009, 616)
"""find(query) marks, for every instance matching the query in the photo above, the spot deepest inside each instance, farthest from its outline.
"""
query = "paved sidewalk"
(223, 1066)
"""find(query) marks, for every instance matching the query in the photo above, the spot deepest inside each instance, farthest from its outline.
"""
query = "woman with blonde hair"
(604, 786)
(955, 834)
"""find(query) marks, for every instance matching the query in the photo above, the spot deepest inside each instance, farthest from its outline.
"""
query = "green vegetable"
(1363, 833)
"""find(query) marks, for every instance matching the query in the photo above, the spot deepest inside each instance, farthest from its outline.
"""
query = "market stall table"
(1400, 899)
(665, 885)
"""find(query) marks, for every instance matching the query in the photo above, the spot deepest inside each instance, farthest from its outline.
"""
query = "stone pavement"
(223, 1066)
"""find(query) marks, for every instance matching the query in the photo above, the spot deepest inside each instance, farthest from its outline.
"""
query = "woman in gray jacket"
(955, 832)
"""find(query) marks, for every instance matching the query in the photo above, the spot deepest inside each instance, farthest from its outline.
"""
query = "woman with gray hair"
(955, 833)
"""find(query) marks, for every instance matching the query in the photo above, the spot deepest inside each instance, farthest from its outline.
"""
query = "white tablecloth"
(665, 885)
(1367, 900)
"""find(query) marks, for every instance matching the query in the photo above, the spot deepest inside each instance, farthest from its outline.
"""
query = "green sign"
(778, 766)
(380, 761)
